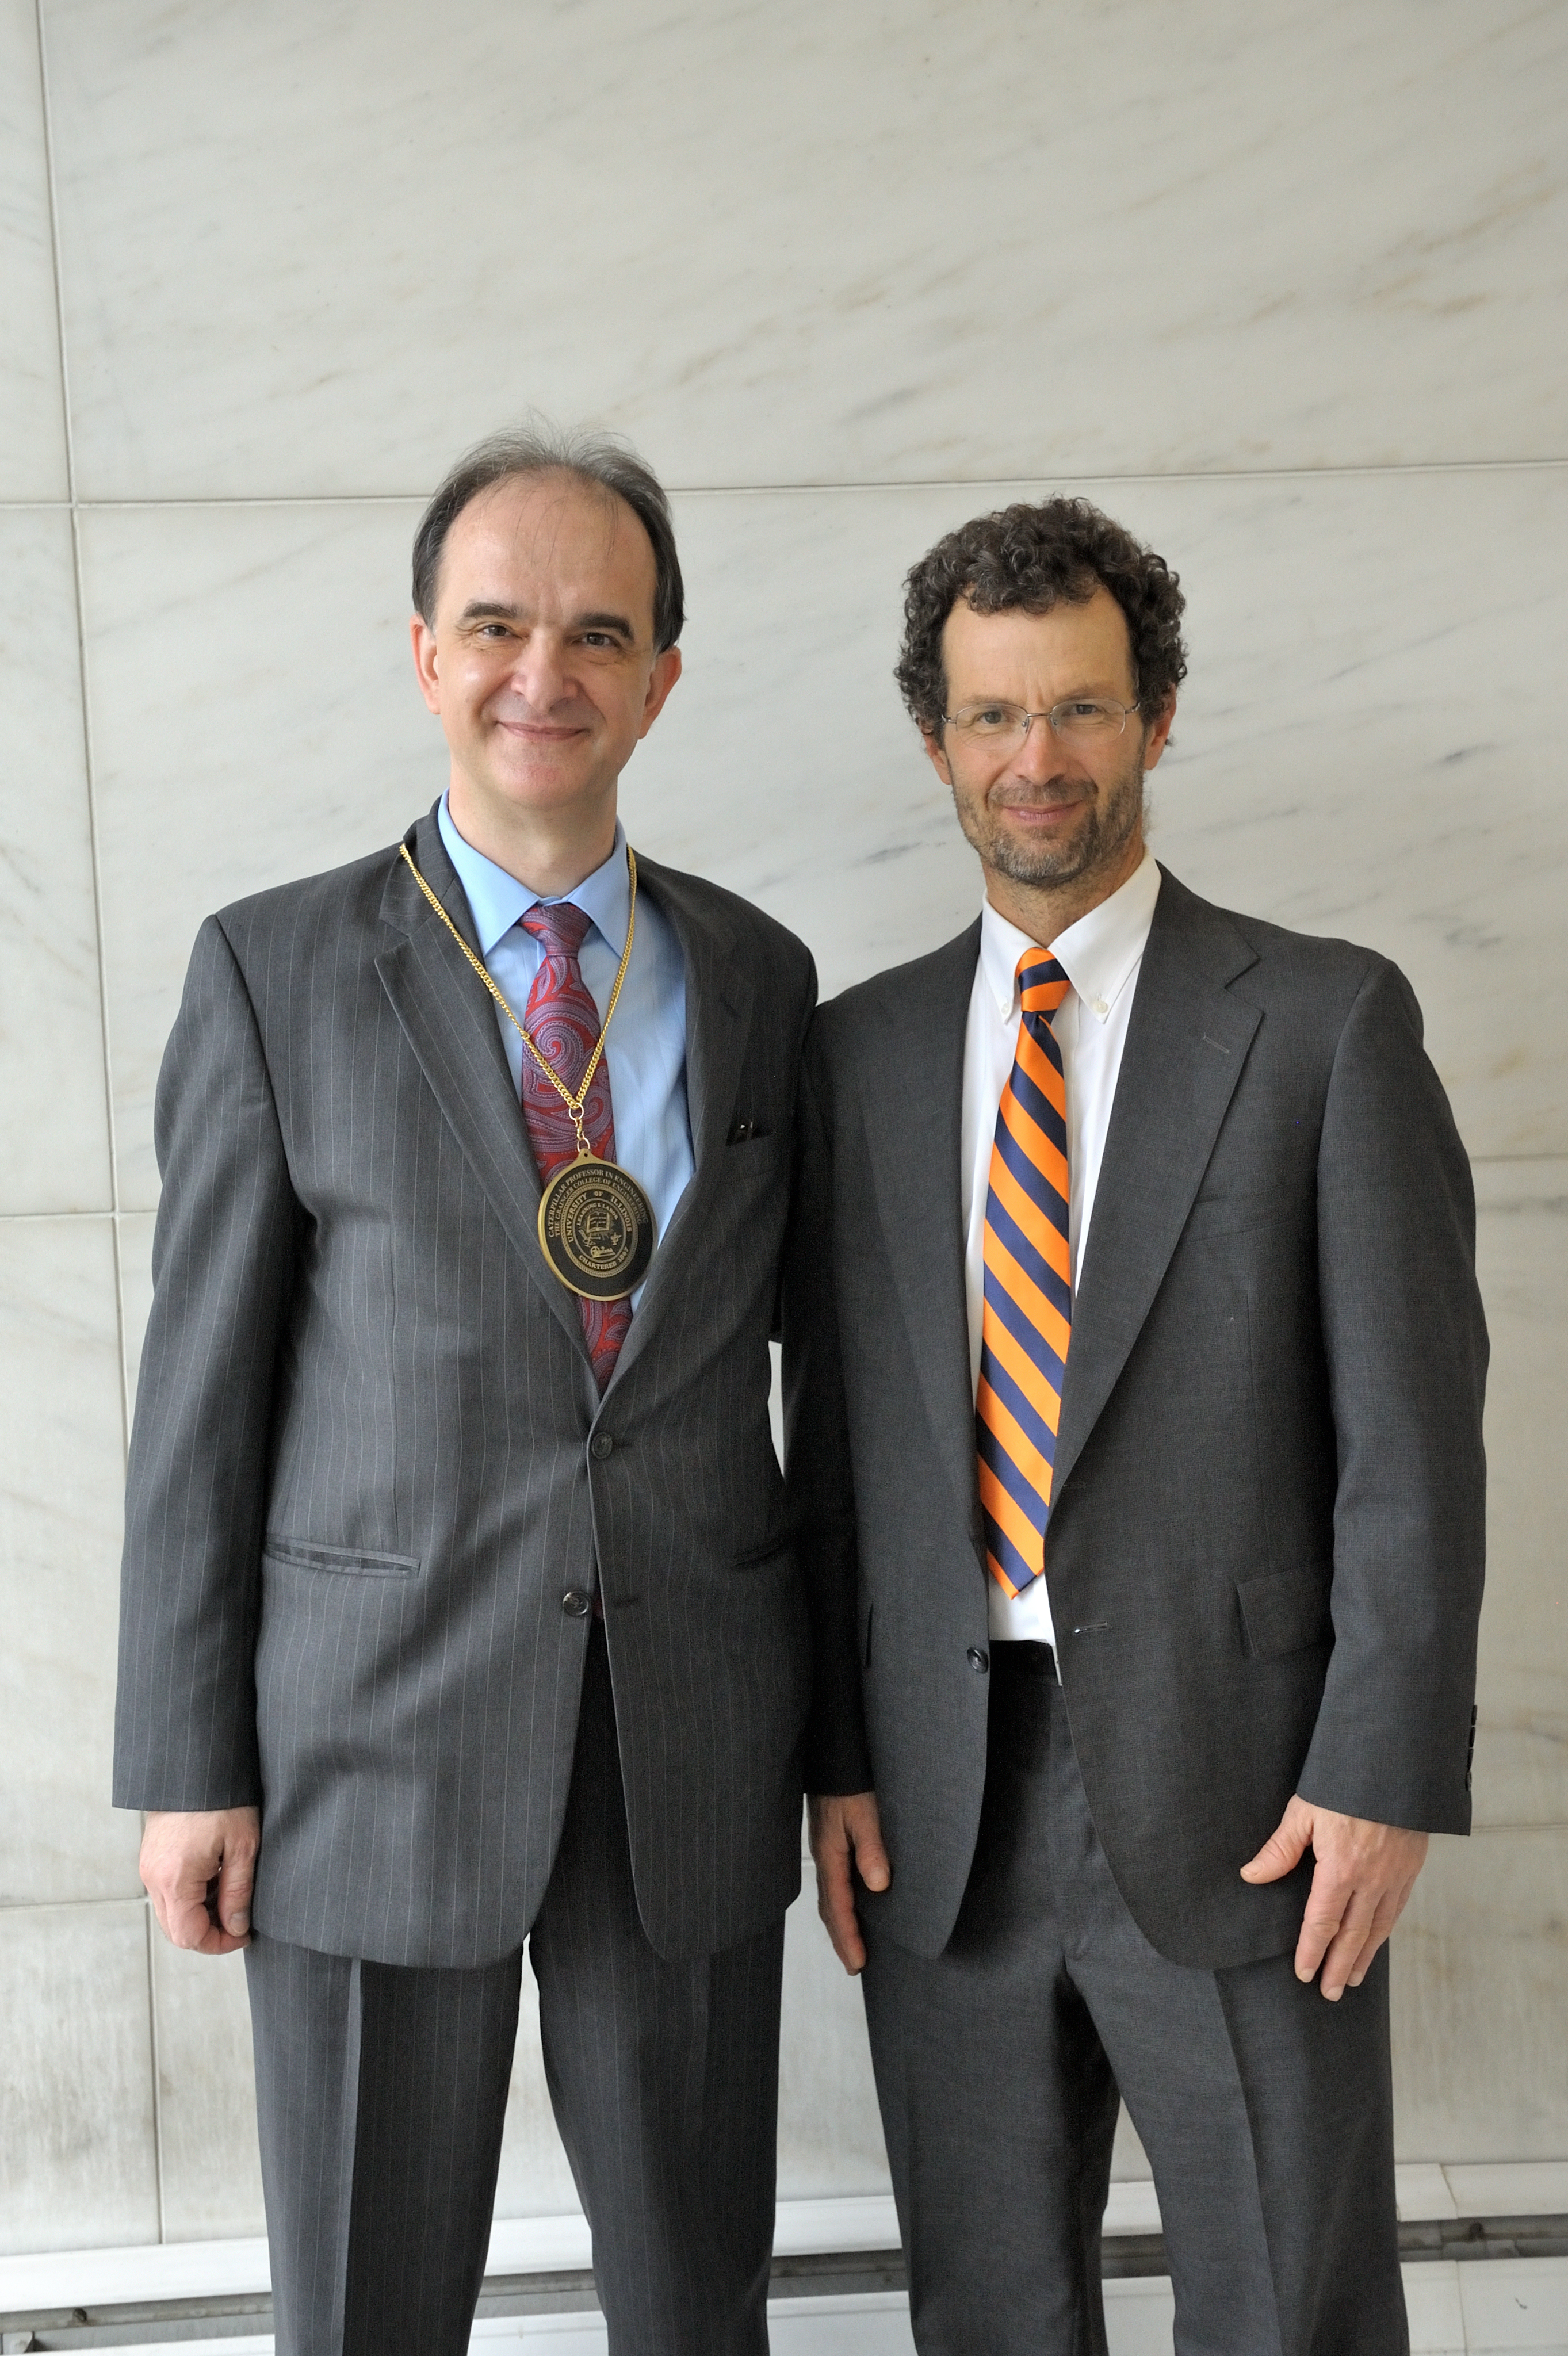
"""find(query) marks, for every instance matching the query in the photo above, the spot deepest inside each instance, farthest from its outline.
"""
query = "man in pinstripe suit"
(458, 1611)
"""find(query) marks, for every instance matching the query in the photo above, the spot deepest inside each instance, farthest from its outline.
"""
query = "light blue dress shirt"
(646, 1050)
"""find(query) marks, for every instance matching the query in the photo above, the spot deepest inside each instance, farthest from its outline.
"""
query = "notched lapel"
(1187, 1042)
(449, 1023)
(719, 993)
(911, 1089)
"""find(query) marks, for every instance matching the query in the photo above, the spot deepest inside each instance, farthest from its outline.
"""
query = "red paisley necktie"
(564, 1023)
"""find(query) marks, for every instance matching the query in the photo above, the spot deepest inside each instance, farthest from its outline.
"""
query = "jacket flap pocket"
(300, 1555)
(1284, 1611)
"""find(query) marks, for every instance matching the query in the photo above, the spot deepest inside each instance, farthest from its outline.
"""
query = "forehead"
(549, 542)
(1071, 646)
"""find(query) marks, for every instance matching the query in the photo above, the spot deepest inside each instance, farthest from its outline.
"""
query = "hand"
(846, 1828)
(1364, 1875)
(198, 1866)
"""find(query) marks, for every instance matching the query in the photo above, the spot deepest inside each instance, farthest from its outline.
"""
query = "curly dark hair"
(1034, 557)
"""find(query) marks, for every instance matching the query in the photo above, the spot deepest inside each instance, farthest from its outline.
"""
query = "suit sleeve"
(817, 1452)
(223, 1265)
(1406, 1348)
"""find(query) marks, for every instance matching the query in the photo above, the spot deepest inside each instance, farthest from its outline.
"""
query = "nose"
(1039, 755)
(539, 672)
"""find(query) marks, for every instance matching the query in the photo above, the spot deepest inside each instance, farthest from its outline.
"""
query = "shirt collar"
(1099, 954)
(498, 900)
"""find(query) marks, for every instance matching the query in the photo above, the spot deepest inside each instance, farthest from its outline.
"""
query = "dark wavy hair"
(598, 459)
(1035, 557)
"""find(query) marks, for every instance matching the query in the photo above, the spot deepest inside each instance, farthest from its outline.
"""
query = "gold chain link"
(573, 1104)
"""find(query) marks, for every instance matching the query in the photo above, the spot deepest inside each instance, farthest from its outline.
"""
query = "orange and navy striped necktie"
(1027, 1319)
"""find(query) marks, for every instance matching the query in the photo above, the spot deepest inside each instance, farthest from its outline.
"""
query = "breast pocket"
(301, 1554)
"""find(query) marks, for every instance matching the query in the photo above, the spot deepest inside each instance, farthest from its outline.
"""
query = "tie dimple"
(1026, 1321)
(563, 1022)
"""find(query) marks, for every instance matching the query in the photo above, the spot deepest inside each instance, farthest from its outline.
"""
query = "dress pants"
(1265, 2111)
(381, 2095)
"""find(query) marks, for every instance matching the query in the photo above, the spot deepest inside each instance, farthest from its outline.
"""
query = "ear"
(1159, 732)
(931, 745)
(661, 679)
(424, 641)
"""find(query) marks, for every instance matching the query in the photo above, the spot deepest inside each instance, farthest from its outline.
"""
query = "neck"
(549, 850)
(1046, 910)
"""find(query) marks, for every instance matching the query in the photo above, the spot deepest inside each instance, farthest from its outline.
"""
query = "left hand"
(1364, 1876)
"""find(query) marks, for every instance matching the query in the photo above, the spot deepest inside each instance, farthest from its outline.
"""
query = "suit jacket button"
(601, 1445)
(977, 1659)
(577, 1606)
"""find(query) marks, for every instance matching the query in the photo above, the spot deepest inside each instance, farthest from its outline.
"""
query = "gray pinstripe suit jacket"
(1267, 1525)
(368, 1458)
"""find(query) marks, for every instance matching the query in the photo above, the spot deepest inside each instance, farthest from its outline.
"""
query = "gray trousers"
(382, 2095)
(1265, 2111)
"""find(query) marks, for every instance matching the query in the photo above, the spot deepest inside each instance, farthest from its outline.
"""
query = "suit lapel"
(1186, 1039)
(449, 1021)
(719, 994)
(911, 1077)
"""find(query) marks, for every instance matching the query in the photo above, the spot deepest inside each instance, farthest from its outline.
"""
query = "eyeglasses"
(1002, 727)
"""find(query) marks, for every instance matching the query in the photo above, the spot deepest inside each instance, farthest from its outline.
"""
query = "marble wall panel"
(307, 248)
(78, 2168)
(60, 1458)
(1479, 1959)
(830, 2130)
(207, 2095)
(279, 732)
(1521, 1736)
(54, 1140)
(32, 415)
(1365, 744)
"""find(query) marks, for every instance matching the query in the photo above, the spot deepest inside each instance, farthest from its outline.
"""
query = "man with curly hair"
(1138, 1433)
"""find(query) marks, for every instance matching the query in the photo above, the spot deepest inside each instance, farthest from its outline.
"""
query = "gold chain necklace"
(596, 1224)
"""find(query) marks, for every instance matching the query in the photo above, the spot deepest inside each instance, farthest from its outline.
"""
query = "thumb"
(1285, 1848)
(871, 1859)
(235, 1879)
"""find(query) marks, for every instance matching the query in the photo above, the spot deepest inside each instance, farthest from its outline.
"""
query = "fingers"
(1286, 1846)
(845, 1833)
(199, 1867)
(836, 1904)
(1361, 1884)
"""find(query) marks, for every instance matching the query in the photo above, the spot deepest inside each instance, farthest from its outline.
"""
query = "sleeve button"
(978, 1659)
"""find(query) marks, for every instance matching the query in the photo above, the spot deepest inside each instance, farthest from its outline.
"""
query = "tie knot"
(559, 926)
(1042, 984)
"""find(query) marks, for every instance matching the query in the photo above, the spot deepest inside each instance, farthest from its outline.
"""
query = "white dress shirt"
(646, 1049)
(1101, 956)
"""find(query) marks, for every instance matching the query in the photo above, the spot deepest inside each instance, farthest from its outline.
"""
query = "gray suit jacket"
(1266, 1541)
(368, 1458)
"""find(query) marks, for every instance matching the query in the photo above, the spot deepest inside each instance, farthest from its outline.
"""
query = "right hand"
(198, 1867)
(845, 1828)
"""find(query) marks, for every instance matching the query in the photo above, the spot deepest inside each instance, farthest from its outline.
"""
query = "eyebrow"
(487, 610)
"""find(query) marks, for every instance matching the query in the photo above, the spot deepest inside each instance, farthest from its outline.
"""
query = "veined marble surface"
(317, 246)
(60, 1458)
(32, 420)
(1366, 743)
(54, 1138)
(78, 2159)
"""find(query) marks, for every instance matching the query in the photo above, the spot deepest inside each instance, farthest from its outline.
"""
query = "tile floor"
(1483, 2308)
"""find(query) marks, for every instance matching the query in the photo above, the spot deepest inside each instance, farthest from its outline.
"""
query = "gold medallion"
(596, 1224)
(595, 1227)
